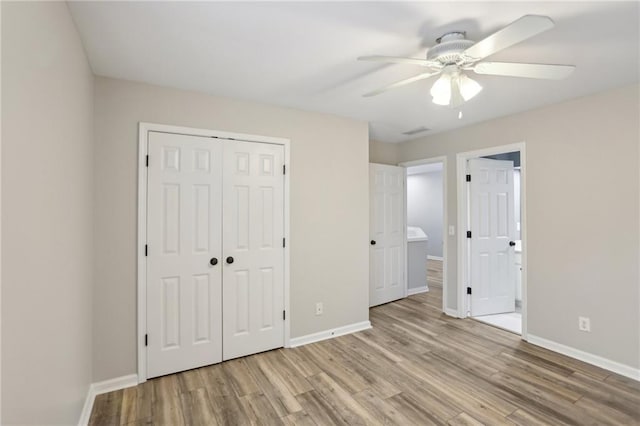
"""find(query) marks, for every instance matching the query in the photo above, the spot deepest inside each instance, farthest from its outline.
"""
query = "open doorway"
(426, 224)
(493, 195)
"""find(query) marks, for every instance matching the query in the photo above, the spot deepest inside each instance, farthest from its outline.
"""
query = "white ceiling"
(303, 55)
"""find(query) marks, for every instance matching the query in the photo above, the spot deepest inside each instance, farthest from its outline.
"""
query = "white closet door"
(387, 225)
(253, 264)
(184, 235)
(492, 229)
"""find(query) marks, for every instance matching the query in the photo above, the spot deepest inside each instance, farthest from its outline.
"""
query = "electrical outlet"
(584, 324)
(319, 308)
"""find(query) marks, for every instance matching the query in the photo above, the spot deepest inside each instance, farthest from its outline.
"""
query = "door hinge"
(284, 169)
(468, 234)
(284, 242)
(147, 161)
(284, 315)
(146, 250)
(468, 290)
(468, 178)
(146, 340)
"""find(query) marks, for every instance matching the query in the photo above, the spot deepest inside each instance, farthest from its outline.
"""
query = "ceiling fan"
(454, 54)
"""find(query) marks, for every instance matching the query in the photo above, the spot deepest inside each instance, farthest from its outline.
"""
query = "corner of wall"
(383, 153)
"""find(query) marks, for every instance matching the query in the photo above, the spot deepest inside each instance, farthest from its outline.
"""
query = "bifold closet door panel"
(253, 232)
(184, 227)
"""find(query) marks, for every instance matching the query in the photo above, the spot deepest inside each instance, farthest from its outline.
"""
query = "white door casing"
(184, 233)
(253, 218)
(387, 232)
(492, 223)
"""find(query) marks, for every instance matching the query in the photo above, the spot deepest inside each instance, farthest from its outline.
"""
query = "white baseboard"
(115, 384)
(451, 312)
(417, 290)
(329, 334)
(104, 387)
(598, 361)
(85, 415)
(440, 258)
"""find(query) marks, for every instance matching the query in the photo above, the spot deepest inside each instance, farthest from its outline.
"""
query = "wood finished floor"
(416, 366)
(434, 273)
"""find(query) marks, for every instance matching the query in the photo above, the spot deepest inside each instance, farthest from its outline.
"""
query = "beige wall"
(329, 207)
(582, 215)
(47, 117)
(383, 153)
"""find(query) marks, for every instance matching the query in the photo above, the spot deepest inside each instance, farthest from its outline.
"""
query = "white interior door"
(184, 235)
(492, 229)
(387, 228)
(253, 277)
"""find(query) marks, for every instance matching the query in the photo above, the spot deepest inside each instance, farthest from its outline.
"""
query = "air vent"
(416, 131)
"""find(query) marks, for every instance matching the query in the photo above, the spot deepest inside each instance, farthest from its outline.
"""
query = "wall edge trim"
(589, 358)
(452, 312)
(104, 386)
(417, 290)
(329, 334)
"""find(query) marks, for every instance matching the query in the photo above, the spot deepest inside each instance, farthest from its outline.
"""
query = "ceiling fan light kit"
(453, 88)
(454, 53)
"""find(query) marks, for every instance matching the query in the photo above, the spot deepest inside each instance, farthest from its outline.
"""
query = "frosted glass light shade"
(453, 89)
(468, 87)
(441, 90)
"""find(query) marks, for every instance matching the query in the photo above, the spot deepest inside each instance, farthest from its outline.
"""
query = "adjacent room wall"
(383, 153)
(47, 178)
(582, 214)
(425, 208)
(0, 216)
(329, 207)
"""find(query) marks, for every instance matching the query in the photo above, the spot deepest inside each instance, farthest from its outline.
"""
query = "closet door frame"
(143, 134)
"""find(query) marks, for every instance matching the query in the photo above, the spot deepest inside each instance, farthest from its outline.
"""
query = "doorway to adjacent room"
(491, 237)
(426, 226)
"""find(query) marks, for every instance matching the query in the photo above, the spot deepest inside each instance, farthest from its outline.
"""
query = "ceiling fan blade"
(517, 31)
(401, 83)
(510, 69)
(399, 60)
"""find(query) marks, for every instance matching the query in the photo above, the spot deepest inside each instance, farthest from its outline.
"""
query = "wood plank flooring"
(416, 366)
(434, 273)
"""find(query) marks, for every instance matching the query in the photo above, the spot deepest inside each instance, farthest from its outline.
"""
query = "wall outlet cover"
(584, 324)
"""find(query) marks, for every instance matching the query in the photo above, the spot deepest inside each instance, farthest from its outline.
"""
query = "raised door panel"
(202, 204)
(170, 313)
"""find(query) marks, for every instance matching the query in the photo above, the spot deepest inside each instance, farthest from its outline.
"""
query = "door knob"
(213, 261)
(373, 242)
(229, 260)
(512, 243)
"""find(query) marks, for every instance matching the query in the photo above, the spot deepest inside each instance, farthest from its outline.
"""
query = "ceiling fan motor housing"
(449, 48)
